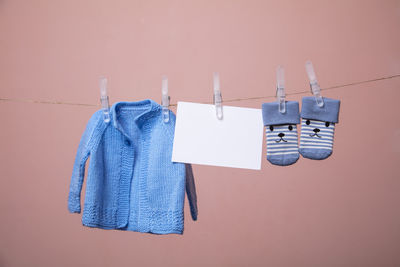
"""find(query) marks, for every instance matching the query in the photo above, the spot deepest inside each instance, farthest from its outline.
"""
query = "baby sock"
(317, 127)
(281, 132)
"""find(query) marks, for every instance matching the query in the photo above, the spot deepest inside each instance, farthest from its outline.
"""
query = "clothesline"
(56, 102)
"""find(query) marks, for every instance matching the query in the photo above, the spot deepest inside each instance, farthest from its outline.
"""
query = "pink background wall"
(343, 211)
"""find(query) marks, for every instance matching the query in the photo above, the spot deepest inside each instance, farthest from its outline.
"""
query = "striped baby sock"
(281, 132)
(317, 127)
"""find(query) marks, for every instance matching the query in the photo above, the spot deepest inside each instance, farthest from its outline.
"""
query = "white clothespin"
(280, 89)
(104, 99)
(217, 97)
(315, 89)
(165, 99)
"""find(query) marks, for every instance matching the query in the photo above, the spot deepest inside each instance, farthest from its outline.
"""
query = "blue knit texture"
(272, 115)
(281, 132)
(318, 127)
(132, 183)
(328, 112)
(282, 146)
(316, 139)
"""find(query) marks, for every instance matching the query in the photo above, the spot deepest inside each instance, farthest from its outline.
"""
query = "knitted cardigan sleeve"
(191, 191)
(78, 172)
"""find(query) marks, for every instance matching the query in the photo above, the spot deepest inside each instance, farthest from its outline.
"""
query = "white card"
(235, 141)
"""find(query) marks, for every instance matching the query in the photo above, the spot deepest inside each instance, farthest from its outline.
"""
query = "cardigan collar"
(149, 107)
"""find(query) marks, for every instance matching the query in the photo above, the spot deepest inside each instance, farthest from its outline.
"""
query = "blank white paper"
(235, 141)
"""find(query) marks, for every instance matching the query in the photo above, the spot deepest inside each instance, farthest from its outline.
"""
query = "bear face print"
(282, 145)
(282, 133)
(316, 139)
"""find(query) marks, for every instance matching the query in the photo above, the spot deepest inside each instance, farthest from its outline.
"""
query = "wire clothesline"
(56, 102)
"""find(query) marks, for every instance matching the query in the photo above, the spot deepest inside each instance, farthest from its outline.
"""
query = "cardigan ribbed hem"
(161, 232)
(159, 222)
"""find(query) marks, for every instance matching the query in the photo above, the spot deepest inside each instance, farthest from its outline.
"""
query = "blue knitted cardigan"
(132, 183)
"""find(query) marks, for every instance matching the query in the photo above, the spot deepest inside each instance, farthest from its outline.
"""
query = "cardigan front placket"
(133, 185)
(127, 159)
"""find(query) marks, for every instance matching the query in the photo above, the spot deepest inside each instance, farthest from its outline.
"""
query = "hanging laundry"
(281, 132)
(318, 117)
(317, 127)
(132, 183)
(280, 119)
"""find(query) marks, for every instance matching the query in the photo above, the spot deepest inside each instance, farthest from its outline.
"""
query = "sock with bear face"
(317, 127)
(281, 132)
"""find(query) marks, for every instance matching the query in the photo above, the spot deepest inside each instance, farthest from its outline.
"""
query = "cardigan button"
(127, 142)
